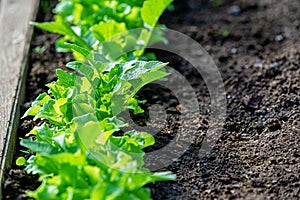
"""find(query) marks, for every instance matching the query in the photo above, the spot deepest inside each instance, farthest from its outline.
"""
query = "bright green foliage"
(77, 155)
(75, 150)
(152, 10)
(20, 161)
(71, 176)
(87, 23)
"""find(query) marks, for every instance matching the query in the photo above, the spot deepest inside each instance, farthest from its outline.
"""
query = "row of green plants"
(76, 151)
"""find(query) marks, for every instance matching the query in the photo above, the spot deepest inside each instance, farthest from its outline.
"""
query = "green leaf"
(152, 10)
(82, 68)
(64, 86)
(111, 50)
(20, 161)
(83, 104)
(134, 69)
(87, 130)
(74, 47)
(45, 192)
(39, 147)
(60, 27)
(135, 75)
(106, 30)
(142, 139)
(60, 45)
(65, 79)
(42, 133)
(94, 174)
(134, 105)
(76, 159)
(64, 8)
(59, 91)
(56, 111)
(57, 26)
(143, 193)
(133, 141)
(99, 191)
(147, 78)
(37, 105)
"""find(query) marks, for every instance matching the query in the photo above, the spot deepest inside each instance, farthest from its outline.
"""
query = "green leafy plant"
(225, 33)
(89, 23)
(75, 151)
(77, 155)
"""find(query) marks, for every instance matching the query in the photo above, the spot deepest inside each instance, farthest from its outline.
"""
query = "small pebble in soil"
(275, 64)
(234, 10)
(252, 101)
(258, 65)
(246, 66)
(234, 50)
(278, 38)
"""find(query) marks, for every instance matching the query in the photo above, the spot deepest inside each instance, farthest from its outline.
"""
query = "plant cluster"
(90, 23)
(76, 151)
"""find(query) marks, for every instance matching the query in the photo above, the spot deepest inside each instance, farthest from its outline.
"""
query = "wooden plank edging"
(15, 38)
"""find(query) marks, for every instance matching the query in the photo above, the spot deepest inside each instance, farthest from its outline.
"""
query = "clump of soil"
(256, 49)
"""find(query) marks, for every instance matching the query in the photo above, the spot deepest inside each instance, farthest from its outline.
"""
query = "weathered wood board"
(15, 37)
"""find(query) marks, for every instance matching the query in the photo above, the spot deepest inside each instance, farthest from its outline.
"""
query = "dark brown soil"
(258, 54)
